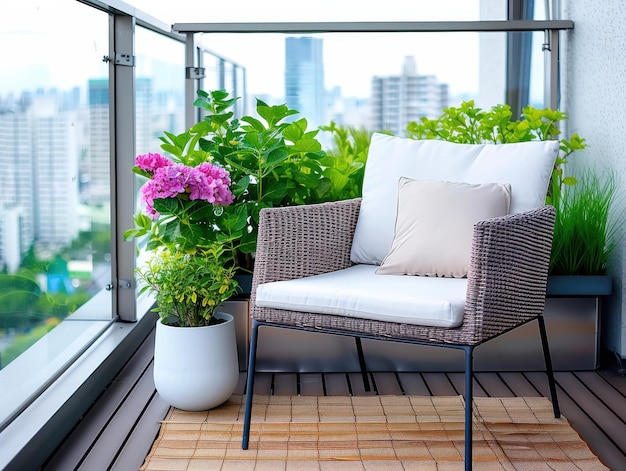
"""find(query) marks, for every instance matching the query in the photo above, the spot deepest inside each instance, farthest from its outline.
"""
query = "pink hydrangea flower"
(151, 162)
(211, 183)
(205, 182)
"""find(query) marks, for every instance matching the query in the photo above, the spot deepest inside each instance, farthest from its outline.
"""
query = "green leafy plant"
(344, 165)
(584, 232)
(271, 162)
(186, 267)
(469, 124)
(188, 286)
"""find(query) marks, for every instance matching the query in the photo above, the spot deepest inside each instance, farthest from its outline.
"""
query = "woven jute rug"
(370, 433)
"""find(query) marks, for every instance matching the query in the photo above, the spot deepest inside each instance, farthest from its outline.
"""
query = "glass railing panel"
(159, 88)
(359, 70)
(55, 243)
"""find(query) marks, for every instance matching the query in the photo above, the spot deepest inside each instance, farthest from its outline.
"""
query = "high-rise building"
(17, 163)
(40, 198)
(55, 176)
(399, 99)
(98, 160)
(304, 79)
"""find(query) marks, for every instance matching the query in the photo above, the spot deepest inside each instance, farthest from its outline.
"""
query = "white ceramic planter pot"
(196, 368)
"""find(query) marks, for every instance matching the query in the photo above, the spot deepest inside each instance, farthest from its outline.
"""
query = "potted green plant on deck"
(195, 359)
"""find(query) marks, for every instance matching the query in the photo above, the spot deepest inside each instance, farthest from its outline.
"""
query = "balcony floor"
(118, 430)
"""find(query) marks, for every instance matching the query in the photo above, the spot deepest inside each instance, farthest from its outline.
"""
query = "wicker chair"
(506, 285)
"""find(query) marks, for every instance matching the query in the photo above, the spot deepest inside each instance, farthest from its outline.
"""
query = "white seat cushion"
(526, 166)
(358, 292)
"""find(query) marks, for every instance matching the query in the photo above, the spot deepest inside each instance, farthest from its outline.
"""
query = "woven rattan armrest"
(508, 271)
(299, 241)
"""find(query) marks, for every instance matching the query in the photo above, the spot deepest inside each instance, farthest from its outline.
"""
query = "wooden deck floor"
(120, 427)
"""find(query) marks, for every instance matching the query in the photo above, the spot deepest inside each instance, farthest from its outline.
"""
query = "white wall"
(593, 88)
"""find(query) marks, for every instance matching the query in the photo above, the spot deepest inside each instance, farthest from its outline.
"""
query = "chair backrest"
(525, 166)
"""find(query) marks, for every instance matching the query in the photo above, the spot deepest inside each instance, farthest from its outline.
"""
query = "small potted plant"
(195, 359)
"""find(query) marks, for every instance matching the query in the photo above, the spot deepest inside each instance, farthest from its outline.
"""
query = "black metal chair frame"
(469, 373)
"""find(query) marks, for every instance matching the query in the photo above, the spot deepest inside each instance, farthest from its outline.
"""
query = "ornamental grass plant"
(585, 231)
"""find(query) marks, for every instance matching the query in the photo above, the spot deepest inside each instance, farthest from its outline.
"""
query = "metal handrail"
(375, 26)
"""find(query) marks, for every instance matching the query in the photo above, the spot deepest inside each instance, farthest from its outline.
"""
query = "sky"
(350, 59)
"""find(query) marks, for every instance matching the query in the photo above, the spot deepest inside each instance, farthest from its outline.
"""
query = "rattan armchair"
(506, 284)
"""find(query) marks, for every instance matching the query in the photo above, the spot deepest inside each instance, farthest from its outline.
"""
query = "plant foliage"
(271, 162)
(188, 286)
(344, 165)
(585, 232)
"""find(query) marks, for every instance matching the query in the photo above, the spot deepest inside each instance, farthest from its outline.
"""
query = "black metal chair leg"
(469, 404)
(250, 385)
(359, 350)
(549, 370)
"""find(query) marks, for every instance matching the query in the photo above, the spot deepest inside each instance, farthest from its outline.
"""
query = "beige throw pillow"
(434, 225)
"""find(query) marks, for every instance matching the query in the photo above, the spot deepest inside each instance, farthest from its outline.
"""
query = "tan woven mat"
(370, 433)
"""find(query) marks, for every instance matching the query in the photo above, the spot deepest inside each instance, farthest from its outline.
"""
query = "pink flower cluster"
(170, 180)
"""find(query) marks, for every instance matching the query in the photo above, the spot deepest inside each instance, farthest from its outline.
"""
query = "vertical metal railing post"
(551, 68)
(123, 136)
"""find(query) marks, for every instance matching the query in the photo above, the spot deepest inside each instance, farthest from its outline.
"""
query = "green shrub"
(344, 164)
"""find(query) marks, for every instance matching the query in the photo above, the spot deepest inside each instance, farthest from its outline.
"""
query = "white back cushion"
(526, 166)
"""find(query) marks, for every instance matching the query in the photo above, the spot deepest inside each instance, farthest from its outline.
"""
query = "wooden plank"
(615, 380)
(458, 381)
(358, 387)
(493, 385)
(140, 441)
(87, 431)
(387, 384)
(336, 384)
(113, 437)
(610, 396)
(413, 384)
(263, 383)
(241, 383)
(285, 384)
(597, 410)
(519, 384)
(439, 384)
(311, 384)
(590, 431)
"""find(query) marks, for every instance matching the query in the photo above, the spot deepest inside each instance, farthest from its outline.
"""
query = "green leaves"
(271, 162)
(585, 232)
(343, 167)
(188, 285)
